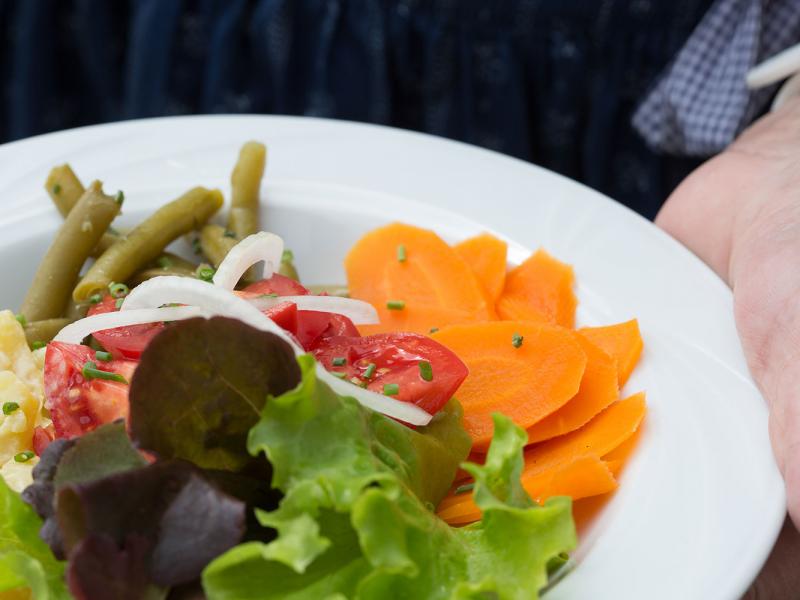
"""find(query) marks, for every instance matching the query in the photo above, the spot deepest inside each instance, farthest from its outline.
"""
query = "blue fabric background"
(551, 81)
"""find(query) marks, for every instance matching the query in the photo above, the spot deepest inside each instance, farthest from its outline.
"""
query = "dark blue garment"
(551, 81)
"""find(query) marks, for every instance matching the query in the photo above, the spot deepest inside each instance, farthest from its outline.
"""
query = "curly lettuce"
(356, 519)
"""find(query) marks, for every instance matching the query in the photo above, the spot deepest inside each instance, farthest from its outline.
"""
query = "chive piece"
(370, 371)
(287, 256)
(229, 234)
(339, 374)
(95, 299)
(463, 489)
(57, 189)
(118, 303)
(516, 340)
(164, 262)
(24, 456)
(270, 295)
(118, 290)
(391, 389)
(401, 253)
(425, 370)
(38, 345)
(90, 371)
(120, 197)
(433, 330)
(339, 361)
(21, 319)
(104, 356)
(395, 305)
(205, 273)
(9, 407)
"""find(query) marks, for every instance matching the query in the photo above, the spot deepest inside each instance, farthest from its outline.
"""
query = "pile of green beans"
(60, 295)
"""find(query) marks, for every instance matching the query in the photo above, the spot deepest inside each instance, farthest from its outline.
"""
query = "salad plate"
(701, 501)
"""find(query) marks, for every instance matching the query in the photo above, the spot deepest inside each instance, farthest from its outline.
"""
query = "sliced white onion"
(75, 332)
(169, 289)
(217, 301)
(358, 311)
(261, 246)
(404, 411)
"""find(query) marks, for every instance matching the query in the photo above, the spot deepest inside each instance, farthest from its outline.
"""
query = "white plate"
(701, 502)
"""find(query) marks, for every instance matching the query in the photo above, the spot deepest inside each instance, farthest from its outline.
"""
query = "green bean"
(215, 244)
(148, 240)
(333, 289)
(44, 331)
(245, 187)
(76, 310)
(287, 269)
(65, 189)
(87, 221)
(166, 264)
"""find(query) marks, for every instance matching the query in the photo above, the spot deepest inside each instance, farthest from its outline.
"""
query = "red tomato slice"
(314, 327)
(123, 342)
(284, 315)
(397, 358)
(78, 405)
(42, 436)
(277, 284)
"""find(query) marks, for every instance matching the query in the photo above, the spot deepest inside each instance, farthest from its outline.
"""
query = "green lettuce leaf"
(25, 560)
(356, 519)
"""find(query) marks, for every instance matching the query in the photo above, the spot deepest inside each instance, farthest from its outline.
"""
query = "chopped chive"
(118, 290)
(90, 371)
(271, 295)
(229, 234)
(425, 370)
(24, 456)
(370, 371)
(95, 299)
(104, 356)
(339, 361)
(9, 407)
(463, 489)
(395, 305)
(120, 197)
(391, 389)
(118, 303)
(433, 330)
(401, 253)
(38, 344)
(21, 319)
(287, 256)
(164, 262)
(205, 273)
(339, 374)
(57, 189)
(516, 340)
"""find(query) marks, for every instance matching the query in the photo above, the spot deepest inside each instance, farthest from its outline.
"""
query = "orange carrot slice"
(623, 341)
(399, 266)
(597, 438)
(598, 390)
(523, 370)
(486, 256)
(540, 289)
(617, 458)
(584, 477)
(417, 318)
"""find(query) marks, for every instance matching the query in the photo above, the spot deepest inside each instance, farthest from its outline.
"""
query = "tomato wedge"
(277, 284)
(78, 405)
(123, 342)
(400, 369)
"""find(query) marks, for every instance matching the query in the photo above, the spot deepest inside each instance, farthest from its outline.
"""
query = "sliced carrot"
(404, 266)
(597, 438)
(540, 289)
(486, 256)
(416, 318)
(617, 458)
(584, 477)
(623, 341)
(598, 390)
(526, 380)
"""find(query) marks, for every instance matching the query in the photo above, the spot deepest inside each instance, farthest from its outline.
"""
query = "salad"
(211, 427)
